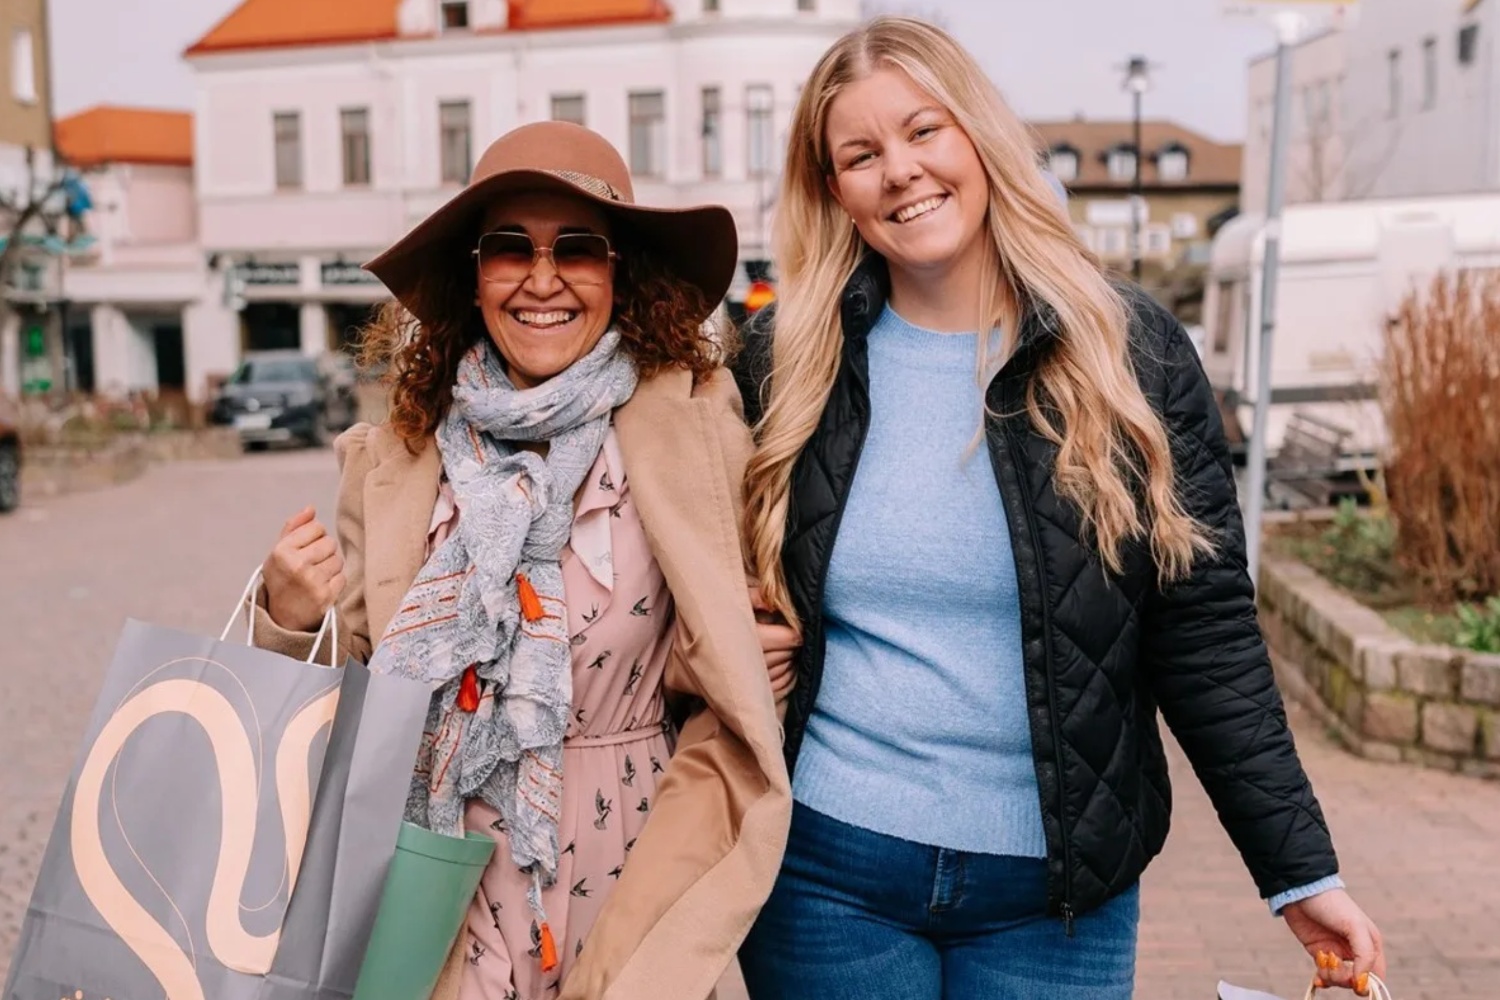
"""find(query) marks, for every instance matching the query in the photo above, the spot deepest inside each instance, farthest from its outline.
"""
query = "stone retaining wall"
(1385, 696)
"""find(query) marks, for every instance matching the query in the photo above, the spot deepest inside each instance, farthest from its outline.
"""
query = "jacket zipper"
(1036, 546)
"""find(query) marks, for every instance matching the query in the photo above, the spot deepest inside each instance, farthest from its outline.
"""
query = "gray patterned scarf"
(491, 598)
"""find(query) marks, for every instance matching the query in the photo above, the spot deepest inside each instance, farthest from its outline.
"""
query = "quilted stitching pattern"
(1117, 649)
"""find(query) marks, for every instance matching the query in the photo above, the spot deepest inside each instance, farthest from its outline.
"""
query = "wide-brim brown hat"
(696, 245)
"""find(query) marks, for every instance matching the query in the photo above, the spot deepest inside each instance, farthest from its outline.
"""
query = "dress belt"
(615, 739)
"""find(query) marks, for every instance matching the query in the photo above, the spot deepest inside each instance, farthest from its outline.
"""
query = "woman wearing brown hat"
(545, 529)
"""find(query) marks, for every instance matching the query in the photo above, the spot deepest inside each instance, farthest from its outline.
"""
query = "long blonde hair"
(1084, 397)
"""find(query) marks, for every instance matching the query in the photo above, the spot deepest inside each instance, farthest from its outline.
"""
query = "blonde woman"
(992, 491)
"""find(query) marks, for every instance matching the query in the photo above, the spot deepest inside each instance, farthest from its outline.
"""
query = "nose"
(902, 167)
(543, 281)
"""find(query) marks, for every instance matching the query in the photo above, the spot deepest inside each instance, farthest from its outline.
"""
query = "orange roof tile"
(108, 134)
(526, 14)
(257, 24)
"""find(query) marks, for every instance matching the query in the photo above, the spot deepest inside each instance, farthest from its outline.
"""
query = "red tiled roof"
(108, 134)
(1209, 162)
(257, 24)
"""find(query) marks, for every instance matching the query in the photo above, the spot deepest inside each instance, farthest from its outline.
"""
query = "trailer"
(1345, 269)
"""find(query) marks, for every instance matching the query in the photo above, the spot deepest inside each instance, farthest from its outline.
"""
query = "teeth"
(544, 318)
(920, 208)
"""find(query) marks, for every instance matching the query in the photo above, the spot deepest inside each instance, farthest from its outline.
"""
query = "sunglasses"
(578, 258)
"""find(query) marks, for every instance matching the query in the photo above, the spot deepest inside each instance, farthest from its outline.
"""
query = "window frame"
(1069, 154)
(24, 86)
(1173, 154)
(572, 96)
(760, 131)
(357, 168)
(1121, 154)
(445, 6)
(451, 171)
(711, 130)
(647, 132)
(286, 150)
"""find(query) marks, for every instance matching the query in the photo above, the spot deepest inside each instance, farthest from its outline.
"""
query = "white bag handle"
(1378, 990)
(247, 605)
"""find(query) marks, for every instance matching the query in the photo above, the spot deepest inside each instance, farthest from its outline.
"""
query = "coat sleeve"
(1208, 665)
(353, 620)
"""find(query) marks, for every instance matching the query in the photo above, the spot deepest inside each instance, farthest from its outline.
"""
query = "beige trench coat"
(709, 854)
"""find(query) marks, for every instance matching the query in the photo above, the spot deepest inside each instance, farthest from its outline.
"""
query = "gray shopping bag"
(226, 829)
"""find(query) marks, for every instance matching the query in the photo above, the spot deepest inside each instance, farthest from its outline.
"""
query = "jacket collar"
(869, 288)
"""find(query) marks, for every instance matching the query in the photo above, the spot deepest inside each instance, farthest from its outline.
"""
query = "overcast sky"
(1052, 58)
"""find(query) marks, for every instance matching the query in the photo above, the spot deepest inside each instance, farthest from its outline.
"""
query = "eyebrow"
(905, 123)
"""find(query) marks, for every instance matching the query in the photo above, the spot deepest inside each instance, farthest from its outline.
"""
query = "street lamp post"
(1137, 82)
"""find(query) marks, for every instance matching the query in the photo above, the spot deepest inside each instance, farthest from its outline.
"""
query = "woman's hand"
(1341, 938)
(779, 642)
(304, 573)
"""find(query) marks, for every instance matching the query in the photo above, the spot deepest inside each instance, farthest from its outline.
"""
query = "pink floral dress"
(620, 617)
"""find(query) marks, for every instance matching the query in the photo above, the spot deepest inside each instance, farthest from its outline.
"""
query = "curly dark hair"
(657, 316)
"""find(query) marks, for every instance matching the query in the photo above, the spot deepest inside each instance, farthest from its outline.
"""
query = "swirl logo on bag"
(237, 754)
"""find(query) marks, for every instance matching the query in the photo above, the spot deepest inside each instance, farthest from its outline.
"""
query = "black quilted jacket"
(1103, 652)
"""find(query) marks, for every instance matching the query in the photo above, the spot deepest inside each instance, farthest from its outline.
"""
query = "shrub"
(1438, 372)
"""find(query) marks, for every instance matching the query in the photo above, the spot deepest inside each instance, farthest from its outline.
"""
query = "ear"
(832, 180)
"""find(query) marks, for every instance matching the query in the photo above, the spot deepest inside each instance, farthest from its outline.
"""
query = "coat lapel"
(400, 492)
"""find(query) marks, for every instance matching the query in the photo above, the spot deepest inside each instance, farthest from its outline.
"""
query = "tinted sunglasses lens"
(505, 256)
(581, 258)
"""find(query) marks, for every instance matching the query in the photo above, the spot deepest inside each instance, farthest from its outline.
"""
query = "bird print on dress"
(616, 872)
(572, 848)
(581, 889)
(602, 807)
(628, 778)
(615, 511)
(645, 805)
(476, 952)
(637, 671)
(495, 909)
(606, 483)
(598, 663)
(656, 767)
(535, 951)
(592, 616)
(640, 610)
(630, 843)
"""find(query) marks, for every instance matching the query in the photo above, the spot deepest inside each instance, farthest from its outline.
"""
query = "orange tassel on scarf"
(468, 691)
(531, 605)
(549, 949)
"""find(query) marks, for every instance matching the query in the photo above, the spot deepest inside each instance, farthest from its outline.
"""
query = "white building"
(143, 312)
(321, 140)
(1402, 101)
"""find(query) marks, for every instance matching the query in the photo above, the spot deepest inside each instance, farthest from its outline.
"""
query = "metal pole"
(1288, 29)
(1135, 197)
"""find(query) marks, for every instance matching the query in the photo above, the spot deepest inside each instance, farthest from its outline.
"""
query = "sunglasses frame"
(611, 256)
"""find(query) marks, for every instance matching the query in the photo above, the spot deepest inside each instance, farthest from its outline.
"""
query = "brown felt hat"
(697, 245)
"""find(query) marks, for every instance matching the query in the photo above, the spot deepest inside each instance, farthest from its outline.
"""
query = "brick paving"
(1420, 849)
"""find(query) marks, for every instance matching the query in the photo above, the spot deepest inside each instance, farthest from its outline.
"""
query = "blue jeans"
(857, 915)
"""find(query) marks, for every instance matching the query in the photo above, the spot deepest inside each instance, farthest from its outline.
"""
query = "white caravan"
(1345, 268)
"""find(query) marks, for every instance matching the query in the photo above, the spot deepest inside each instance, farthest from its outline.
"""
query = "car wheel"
(10, 478)
(256, 445)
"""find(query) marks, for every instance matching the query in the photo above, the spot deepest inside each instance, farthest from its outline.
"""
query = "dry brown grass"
(1440, 390)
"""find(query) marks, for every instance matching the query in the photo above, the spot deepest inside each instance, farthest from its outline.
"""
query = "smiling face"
(540, 323)
(908, 175)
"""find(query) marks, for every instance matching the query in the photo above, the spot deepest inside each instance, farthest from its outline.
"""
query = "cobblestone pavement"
(1421, 850)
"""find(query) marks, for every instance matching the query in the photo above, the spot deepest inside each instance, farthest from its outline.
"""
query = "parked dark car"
(10, 457)
(284, 396)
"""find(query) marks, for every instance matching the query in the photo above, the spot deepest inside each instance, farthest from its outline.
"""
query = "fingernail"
(1362, 984)
(1319, 984)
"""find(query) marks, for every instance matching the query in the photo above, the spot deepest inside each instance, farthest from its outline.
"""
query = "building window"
(1185, 226)
(648, 134)
(713, 138)
(1223, 328)
(23, 66)
(1113, 241)
(1158, 240)
(1172, 165)
(1064, 165)
(1122, 164)
(1468, 44)
(1429, 73)
(455, 15)
(454, 137)
(710, 6)
(355, 125)
(569, 108)
(287, 127)
(1393, 64)
(759, 104)
(807, 5)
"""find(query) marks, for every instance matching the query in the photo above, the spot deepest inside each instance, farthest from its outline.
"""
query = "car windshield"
(276, 370)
